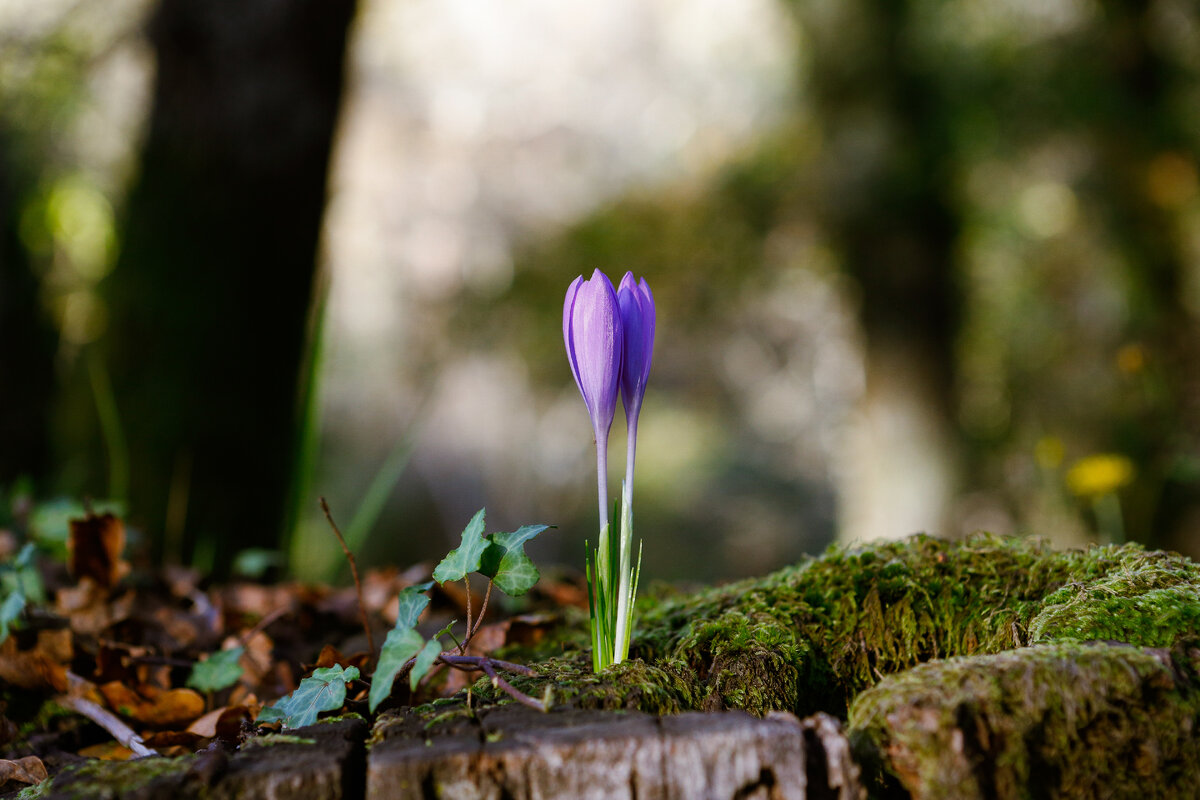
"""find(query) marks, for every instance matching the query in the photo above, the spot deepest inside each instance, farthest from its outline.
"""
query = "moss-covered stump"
(1063, 720)
(813, 637)
(511, 751)
(319, 762)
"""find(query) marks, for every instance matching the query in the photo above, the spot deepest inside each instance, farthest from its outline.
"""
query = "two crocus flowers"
(609, 335)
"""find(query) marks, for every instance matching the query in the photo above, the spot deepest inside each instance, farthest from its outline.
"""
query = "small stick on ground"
(362, 607)
(124, 735)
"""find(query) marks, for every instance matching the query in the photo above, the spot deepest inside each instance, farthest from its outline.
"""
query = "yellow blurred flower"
(1102, 473)
(1131, 359)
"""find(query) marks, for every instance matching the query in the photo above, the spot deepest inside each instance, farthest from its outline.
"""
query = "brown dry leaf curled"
(30, 669)
(95, 547)
(29, 769)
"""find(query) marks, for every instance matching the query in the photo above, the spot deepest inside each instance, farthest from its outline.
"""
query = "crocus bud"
(592, 332)
(637, 320)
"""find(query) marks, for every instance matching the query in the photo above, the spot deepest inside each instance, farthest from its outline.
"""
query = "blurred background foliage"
(919, 265)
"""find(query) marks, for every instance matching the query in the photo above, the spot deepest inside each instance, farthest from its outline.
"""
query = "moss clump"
(1061, 720)
(813, 636)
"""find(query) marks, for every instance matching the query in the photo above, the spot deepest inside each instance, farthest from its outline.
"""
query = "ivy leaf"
(425, 659)
(271, 713)
(505, 562)
(464, 559)
(10, 610)
(219, 671)
(324, 690)
(401, 645)
(412, 602)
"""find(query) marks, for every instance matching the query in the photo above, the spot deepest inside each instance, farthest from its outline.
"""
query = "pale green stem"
(624, 597)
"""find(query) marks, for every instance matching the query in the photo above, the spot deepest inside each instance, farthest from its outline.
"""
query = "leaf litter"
(114, 663)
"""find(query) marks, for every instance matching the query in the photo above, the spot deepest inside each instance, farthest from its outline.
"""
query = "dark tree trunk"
(212, 290)
(27, 363)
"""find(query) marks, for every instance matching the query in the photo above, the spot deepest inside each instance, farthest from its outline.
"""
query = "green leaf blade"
(401, 645)
(424, 662)
(324, 690)
(413, 601)
(220, 671)
(505, 562)
(464, 559)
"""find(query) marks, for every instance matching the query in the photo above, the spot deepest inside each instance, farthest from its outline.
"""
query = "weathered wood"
(1060, 721)
(512, 752)
(319, 762)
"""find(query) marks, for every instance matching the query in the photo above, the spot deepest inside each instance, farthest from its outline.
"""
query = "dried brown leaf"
(95, 547)
(225, 722)
(29, 769)
(30, 669)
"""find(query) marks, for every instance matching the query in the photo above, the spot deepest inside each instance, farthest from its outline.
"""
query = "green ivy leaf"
(324, 690)
(401, 645)
(10, 610)
(412, 602)
(219, 671)
(271, 713)
(464, 559)
(505, 562)
(425, 659)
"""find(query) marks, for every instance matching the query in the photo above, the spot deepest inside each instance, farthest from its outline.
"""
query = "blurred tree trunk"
(27, 362)
(212, 289)
(883, 200)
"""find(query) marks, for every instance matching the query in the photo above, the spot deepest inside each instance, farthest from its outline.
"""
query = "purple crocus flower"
(594, 337)
(637, 319)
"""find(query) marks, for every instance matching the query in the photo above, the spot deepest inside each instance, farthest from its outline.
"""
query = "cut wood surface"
(512, 752)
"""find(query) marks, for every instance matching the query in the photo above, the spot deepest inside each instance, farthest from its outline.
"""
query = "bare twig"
(476, 663)
(514, 693)
(362, 608)
(110, 722)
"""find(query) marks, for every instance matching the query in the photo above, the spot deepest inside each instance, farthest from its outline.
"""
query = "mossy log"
(842, 633)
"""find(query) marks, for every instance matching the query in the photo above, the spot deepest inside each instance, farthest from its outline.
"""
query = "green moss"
(1061, 720)
(272, 739)
(813, 636)
(109, 780)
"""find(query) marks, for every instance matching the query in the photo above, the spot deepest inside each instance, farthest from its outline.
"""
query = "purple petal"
(594, 337)
(638, 320)
(568, 306)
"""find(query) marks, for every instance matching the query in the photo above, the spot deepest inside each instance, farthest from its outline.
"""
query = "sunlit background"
(920, 266)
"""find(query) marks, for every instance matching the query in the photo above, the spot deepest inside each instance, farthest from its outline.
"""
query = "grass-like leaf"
(464, 559)
(324, 690)
(219, 671)
(402, 644)
(505, 562)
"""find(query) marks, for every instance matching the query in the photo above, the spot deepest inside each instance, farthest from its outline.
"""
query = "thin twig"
(483, 610)
(362, 607)
(513, 692)
(476, 663)
(124, 735)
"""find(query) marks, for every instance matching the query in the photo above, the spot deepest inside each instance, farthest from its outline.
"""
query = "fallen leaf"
(95, 548)
(107, 751)
(224, 722)
(29, 769)
(30, 669)
(172, 709)
(330, 656)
